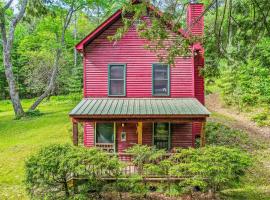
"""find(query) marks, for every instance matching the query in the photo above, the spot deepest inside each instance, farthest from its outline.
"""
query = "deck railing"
(130, 168)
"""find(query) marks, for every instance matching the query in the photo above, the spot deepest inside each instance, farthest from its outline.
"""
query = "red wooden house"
(130, 98)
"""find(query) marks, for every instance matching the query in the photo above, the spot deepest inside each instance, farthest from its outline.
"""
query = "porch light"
(123, 125)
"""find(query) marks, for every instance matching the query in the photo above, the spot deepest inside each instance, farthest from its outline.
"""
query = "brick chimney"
(194, 10)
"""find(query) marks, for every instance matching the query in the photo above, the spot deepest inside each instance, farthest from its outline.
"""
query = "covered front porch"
(115, 124)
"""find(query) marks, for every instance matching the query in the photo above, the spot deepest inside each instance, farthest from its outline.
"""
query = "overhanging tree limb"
(8, 4)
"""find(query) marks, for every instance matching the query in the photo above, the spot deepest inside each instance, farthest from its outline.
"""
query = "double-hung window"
(161, 80)
(117, 80)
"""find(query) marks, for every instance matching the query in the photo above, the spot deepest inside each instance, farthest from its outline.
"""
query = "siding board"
(89, 135)
(130, 50)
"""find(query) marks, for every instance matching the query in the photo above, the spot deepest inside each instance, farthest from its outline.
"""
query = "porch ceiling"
(139, 108)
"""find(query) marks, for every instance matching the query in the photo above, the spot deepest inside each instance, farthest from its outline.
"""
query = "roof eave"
(172, 116)
(80, 46)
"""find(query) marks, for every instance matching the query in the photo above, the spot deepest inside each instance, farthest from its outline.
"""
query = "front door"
(161, 135)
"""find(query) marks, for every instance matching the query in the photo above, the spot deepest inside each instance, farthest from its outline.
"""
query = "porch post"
(203, 135)
(139, 131)
(75, 133)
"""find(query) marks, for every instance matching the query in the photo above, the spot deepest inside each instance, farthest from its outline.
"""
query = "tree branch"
(3, 28)
(220, 27)
(199, 17)
(264, 16)
(15, 21)
(8, 4)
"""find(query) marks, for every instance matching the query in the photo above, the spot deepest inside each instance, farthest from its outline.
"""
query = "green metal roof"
(139, 106)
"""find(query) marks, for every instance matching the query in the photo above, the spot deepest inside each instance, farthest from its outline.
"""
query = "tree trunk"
(14, 95)
(75, 38)
(7, 42)
(51, 83)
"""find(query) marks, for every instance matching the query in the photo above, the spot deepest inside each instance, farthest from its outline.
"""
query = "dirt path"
(234, 119)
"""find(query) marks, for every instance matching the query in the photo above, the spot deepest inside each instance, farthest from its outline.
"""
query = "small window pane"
(117, 87)
(117, 72)
(161, 87)
(104, 133)
(161, 135)
(161, 72)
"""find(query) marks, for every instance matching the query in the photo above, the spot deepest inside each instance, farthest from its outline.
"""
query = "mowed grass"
(21, 138)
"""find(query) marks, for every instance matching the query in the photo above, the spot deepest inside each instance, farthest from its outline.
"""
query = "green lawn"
(20, 138)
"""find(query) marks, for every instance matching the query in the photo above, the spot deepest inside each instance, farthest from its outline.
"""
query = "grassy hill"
(20, 138)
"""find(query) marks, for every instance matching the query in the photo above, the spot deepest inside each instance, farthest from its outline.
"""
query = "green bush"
(33, 113)
(209, 168)
(144, 156)
(48, 172)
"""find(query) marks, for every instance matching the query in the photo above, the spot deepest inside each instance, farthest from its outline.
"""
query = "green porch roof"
(139, 107)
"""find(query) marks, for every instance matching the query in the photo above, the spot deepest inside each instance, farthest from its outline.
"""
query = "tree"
(67, 9)
(7, 42)
(72, 6)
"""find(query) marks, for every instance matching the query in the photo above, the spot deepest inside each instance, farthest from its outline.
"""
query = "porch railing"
(108, 147)
(130, 168)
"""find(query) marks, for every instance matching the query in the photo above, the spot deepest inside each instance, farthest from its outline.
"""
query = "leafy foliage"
(209, 168)
(48, 172)
(144, 156)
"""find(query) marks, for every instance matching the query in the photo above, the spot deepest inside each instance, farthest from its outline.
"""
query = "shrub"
(33, 113)
(49, 171)
(134, 184)
(209, 168)
(144, 156)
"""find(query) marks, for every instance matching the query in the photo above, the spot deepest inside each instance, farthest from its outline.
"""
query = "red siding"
(193, 12)
(147, 133)
(199, 80)
(181, 135)
(199, 89)
(89, 135)
(130, 50)
(131, 136)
